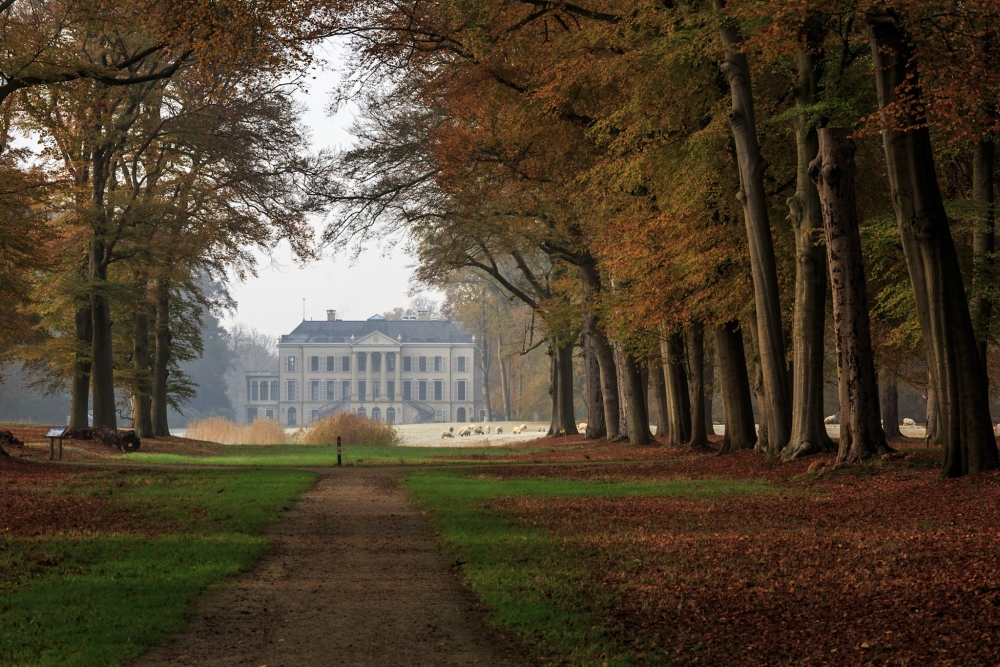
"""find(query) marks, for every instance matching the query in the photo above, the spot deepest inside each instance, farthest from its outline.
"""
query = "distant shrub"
(225, 432)
(352, 429)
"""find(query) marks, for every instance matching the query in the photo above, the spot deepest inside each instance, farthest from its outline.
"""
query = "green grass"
(537, 584)
(101, 599)
(323, 455)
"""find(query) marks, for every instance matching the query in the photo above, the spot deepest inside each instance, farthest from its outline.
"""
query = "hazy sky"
(357, 289)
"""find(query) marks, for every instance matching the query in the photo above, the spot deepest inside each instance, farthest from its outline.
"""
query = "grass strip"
(323, 455)
(103, 598)
(535, 583)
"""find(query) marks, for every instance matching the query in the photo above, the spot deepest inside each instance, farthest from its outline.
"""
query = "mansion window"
(263, 391)
(461, 390)
(331, 390)
(274, 390)
(376, 363)
(438, 390)
(315, 416)
(314, 389)
(291, 364)
(390, 390)
(314, 364)
(345, 364)
(407, 394)
(345, 388)
(361, 362)
(438, 364)
(291, 389)
(253, 393)
(461, 366)
(376, 388)
(422, 390)
(291, 417)
(390, 362)
(361, 390)
(422, 364)
(407, 364)
(331, 364)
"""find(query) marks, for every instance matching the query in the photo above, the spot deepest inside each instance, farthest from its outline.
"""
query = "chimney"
(422, 315)
(331, 315)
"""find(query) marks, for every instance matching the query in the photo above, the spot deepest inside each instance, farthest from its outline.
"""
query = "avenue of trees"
(658, 179)
(691, 193)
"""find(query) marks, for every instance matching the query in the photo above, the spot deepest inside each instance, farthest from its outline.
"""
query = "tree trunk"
(890, 411)
(736, 404)
(484, 363)
(564, 389)
(931, 434)
(660, 389)
(808, 434)
(553, 388)
(102, 371)
(861, 435)
(80, 399)
(141, 398)
(770, 343)
(602, 349)
(983, 245)
(709, 392)
(696, 350)
(678, 401)
(622, 383)
(957, 374)
(636, 403)
(595, 399)
(161, 359)
(764, 444)
(504, 378)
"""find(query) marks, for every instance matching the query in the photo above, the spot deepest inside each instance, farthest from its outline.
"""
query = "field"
(583, 553)
(99, 565)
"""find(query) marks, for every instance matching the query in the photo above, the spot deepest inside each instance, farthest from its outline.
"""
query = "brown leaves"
(865, 565)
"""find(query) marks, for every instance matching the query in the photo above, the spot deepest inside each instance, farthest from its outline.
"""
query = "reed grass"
(225, 432)
(352, 429)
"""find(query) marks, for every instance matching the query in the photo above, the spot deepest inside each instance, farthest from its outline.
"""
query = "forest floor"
(579, 552)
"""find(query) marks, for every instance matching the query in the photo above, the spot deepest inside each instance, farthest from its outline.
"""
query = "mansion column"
(382, 386)
(354, 374)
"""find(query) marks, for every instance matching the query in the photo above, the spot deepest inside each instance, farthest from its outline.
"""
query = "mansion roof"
(406, 331)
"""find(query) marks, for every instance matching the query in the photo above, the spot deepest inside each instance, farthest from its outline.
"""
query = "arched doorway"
(376, 415)
(362, 412)
(390, 416)
(460, 415)
(292, 417)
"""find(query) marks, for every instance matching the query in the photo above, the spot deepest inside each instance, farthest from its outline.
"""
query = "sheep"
(832, 419)
(499, 430)
(517, 430)
(478, 430)
(464, 431)
(541, 429)
(582, 426)
(447, 434)
(489, 429)
(908, 422)
(524, 427)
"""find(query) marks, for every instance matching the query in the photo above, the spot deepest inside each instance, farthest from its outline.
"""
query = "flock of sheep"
(835, 419)
(478, 429)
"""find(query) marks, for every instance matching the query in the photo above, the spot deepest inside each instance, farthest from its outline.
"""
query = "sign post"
(53, 434)
(338, 450)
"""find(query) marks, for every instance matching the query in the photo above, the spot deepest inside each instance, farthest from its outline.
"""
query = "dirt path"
(353, 579)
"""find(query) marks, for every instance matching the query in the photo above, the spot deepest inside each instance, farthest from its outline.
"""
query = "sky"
(357, 288)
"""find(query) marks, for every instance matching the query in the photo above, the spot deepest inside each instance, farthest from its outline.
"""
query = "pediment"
(376, 338)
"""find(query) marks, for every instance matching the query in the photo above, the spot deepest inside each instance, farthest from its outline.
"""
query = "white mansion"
(401, 372)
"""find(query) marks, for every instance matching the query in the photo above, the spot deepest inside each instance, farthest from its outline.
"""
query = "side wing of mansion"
(400, 372)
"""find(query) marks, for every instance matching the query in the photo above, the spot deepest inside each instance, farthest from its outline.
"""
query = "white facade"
(400, 372)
